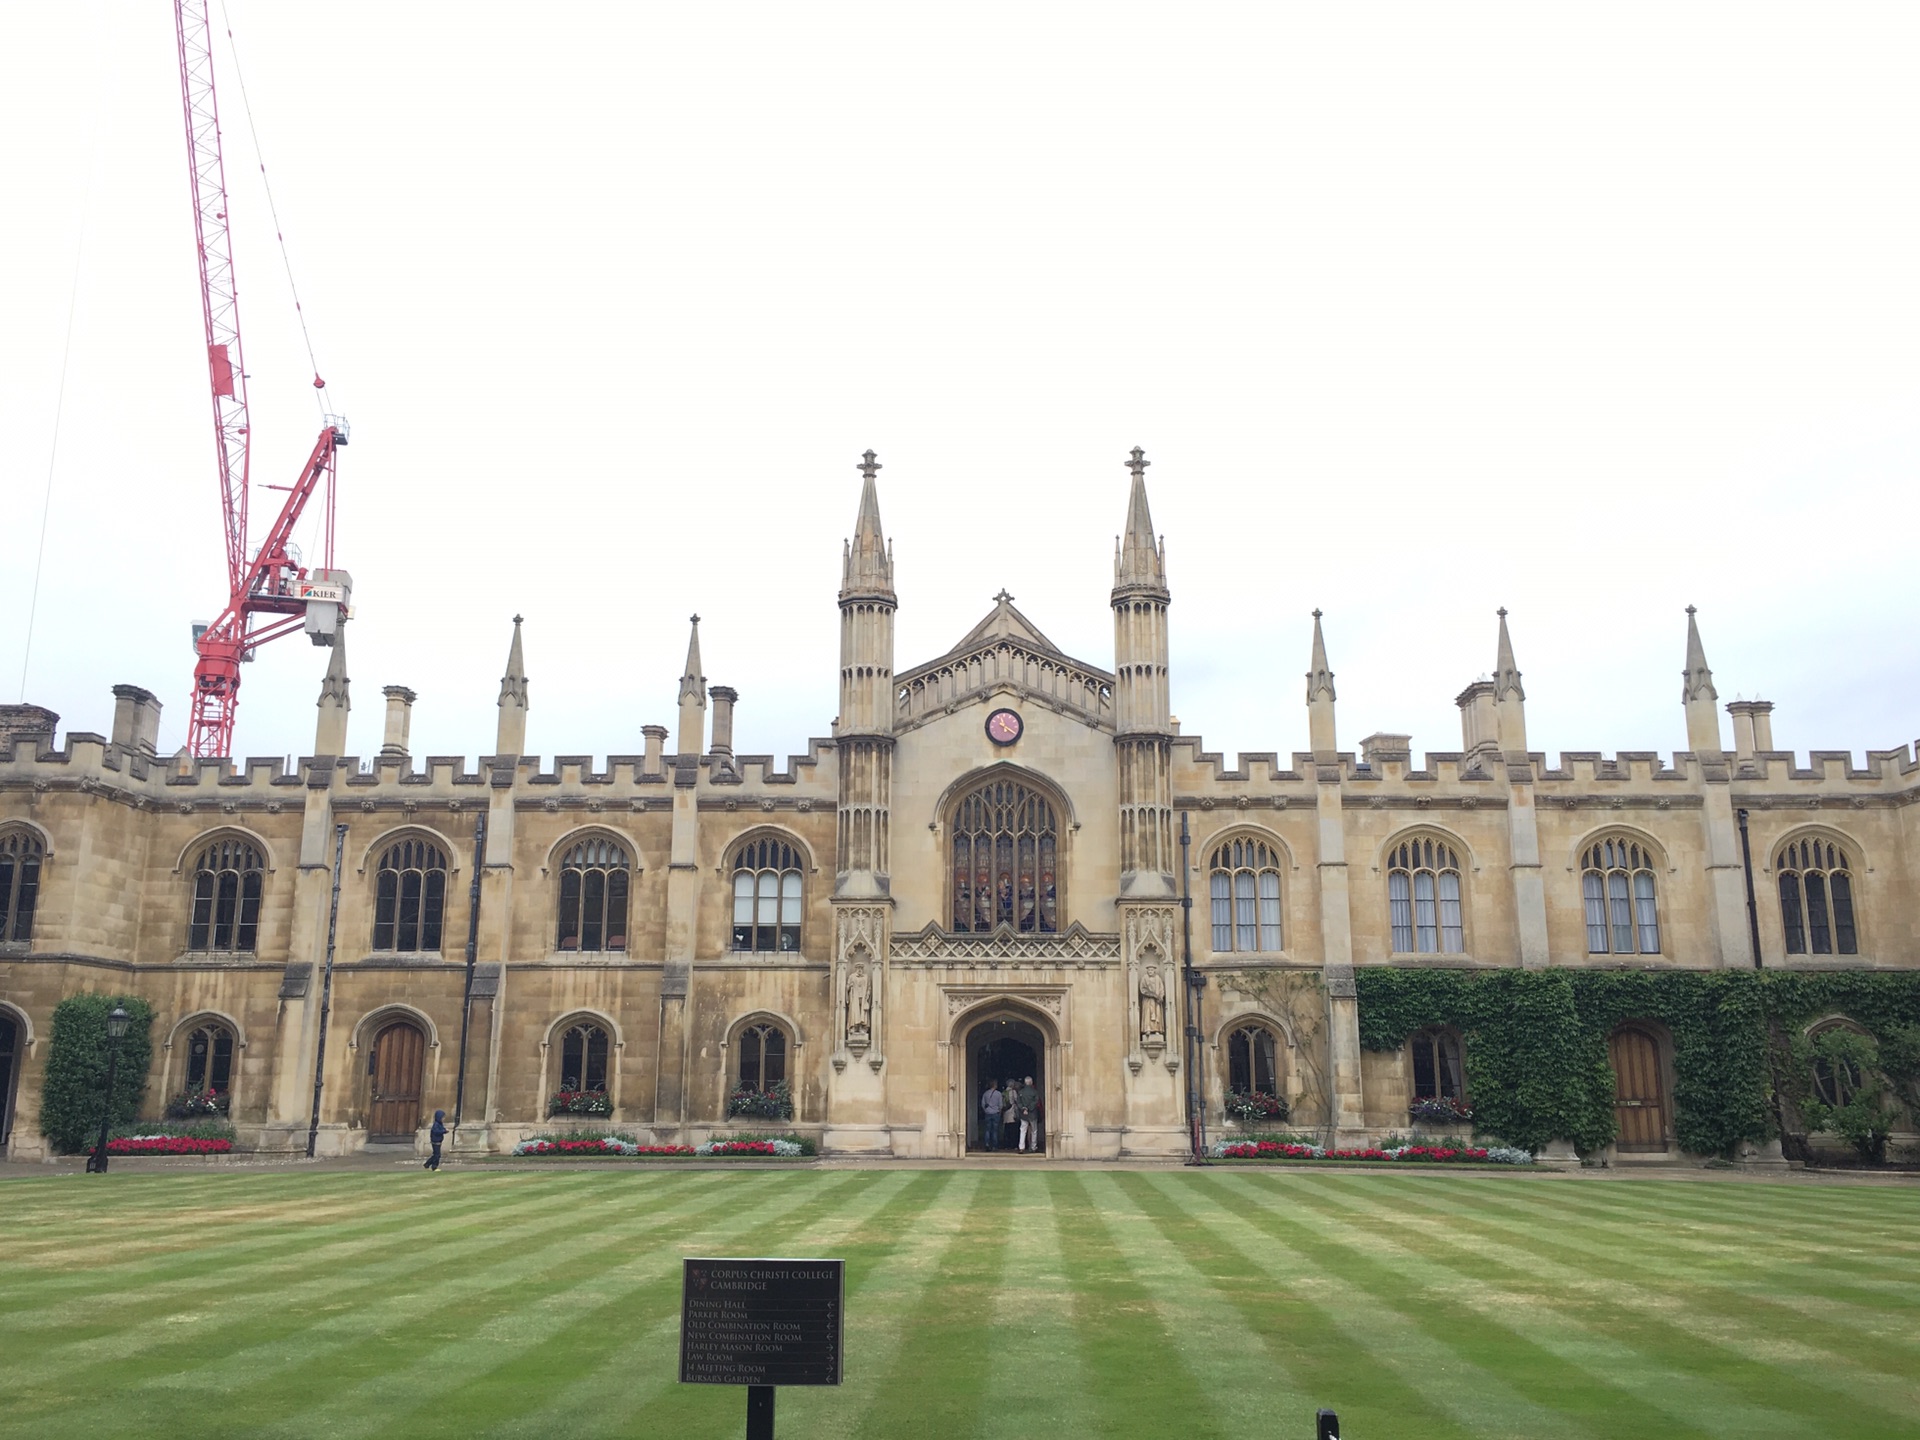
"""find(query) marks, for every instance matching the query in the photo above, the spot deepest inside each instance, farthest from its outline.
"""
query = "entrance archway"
(1001, 1046)
(396, 1067)
(10, 1048)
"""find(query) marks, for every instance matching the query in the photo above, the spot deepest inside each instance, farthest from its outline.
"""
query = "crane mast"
(269, 593)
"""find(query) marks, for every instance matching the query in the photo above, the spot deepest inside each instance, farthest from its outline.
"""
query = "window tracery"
(1005, 860)
(1253, 1056)
(583, 1058)
(227, 880)
(763, 1057)
(1423, 898)
(767, 896)
(209, 1069)
(1816, 898)
(595, 881)
(21, 854)
(1245, 894)
(410, 897)
(1616, 882)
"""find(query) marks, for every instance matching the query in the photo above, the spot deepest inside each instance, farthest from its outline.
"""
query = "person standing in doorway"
(1009, 1113)
(992, 1102)
(1029, 1100)
(438, 1135)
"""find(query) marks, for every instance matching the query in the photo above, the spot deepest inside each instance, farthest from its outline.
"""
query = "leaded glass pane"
(1270, 935)
(1817, 928)
(1400, 910)
(1646, 914)
(1846, 942)
(1452, 938)
(1621, 910)
(1790, 913)
(1426, 930)
(1246, 932)
(1593, 889)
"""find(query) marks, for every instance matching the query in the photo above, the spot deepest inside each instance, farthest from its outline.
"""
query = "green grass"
(1032, 1304)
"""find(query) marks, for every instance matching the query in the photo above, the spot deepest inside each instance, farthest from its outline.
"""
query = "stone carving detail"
(1148, 932)
(958, 1000)
(859, 929)
(1153, 1007)
(1074, 945)
(859, 1004)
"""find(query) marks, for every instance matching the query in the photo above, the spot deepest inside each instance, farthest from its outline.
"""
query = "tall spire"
(693, 699)
(1320, 726)
(1139, 559)
(1698, 695)
(867, 567)
(1509, 696)
(510, 737)
(330, 731)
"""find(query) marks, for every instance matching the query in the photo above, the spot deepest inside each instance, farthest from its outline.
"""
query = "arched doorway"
(396, 1067)
(9, 1067)
(1639, 1094)
(1002, 1046)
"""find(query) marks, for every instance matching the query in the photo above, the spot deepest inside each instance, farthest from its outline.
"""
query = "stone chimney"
(1377, 749)
(724, 698)
(136, 719)
(1752, 727)
(399, 721)
(1479, 722)
(656, 740)
(26, 722)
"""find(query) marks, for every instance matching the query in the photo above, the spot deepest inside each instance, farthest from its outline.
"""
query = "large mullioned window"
(767, 896)
(227, 879)
(1005, 860)
(1616, 881)
(1423, 898)
(410, 897)
(1816, 899)
(1245, 886)
(595, 878)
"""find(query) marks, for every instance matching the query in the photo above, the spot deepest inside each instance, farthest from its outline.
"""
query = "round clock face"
(1004, 727)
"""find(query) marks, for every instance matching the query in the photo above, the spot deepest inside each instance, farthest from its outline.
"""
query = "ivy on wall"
(1535, 1048)
(77, 1069)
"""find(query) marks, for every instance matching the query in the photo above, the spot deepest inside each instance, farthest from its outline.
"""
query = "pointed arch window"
(1816, 898)
(410, 897)
(763, 1058)
(1245, 892)
(1005, 860)
(1436, 1065)
(1423, 898)
(767, 896)
(227, 879)
(210, 1050)
(1253, 1057)
(595, 880)
(583, 1059)
(20, 855)
(1616, 881)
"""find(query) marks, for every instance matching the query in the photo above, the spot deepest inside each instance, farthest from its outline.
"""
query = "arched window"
(594, 880)
(1253, 1061)
(410, 898)
(1436, 1066)
(1423, 898)
(210, 1060)
(20, 856)
(1616, 878)
(766, 896)
(1005, 860)
(583, 1058)
(1837, 1076)
(763, 1058)
(1246, 897)
(226, 898)
(1816, 898)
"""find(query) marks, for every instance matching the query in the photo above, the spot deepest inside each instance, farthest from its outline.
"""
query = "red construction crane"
(269, 593)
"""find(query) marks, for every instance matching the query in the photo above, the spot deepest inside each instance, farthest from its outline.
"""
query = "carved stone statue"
(859, 1003)
(1153, 1006)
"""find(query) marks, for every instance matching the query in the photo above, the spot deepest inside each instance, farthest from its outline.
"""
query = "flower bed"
(580, 1102)
(1397, 1154)
(1251, 1107)
(167, 1145)
(786, 1149)
(773, 1103)
(606, 1145)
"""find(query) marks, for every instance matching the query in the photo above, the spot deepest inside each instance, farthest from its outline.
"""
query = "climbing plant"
(1536, 1042)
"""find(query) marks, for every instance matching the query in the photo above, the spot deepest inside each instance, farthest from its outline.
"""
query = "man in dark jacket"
(438, 1134)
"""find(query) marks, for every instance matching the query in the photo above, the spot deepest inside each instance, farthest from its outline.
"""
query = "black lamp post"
(116, 1032)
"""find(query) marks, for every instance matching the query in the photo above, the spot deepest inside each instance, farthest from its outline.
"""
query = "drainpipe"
(466, 998)
(326, 990)
(1196, 982)
(1753, 910)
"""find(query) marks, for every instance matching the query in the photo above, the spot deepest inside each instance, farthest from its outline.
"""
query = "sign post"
(761, 1324)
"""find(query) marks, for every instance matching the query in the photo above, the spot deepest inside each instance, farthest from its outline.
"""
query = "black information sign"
(761, 1322)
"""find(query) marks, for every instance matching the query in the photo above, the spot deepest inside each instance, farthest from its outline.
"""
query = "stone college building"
(978, 874)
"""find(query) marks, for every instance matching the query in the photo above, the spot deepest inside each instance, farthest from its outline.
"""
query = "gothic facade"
(980, 872)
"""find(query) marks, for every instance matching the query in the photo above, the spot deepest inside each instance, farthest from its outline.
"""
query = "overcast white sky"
(1417, 311)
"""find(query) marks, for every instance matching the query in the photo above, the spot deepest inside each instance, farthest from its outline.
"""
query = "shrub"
(580, 1102)
(1862, 1116)
(773, 1103)
(1252, 1106)
(77, 1069)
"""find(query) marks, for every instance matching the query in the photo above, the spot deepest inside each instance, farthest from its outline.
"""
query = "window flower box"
(580, 1102)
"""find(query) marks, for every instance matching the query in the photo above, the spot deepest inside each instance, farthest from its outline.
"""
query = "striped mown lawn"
(1036, 1304)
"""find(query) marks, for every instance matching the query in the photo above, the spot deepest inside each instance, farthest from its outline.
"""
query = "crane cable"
(319, 385)
(53, 454)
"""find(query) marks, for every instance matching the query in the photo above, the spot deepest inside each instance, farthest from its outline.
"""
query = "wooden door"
(398, 1059)
(1640, 1102)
